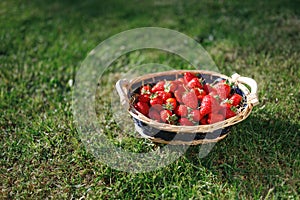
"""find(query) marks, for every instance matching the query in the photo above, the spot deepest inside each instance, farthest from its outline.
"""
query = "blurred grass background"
(44, 42)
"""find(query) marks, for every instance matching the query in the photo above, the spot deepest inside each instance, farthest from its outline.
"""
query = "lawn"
(42, 46)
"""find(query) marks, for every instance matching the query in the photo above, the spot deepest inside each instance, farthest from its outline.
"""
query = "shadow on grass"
(258, 155)
(259, 159)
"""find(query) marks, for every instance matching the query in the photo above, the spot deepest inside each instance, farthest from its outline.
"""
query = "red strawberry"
(204, 110)
(216, 106)
(223, 108)
(164, 95)
(155, 99)
(142, 107)
(167, 117)
(208, 88)
(144, 98)
(223, 90)
(208, 105)
(203, 121)
(146, 89)
(171, 103)
(228, 110)
(188, 76)
(213, 118)
(182, 81)
(170, 86)
(236, 99)
(154, 114)
(200, 93)
(190, 100)
(185, 122)
(181, 111)
(160, 86)
(179, 92)
(194, 83)
(195, 115)
(215, 94)
(165, 114)
(157, 107)
(178, 82)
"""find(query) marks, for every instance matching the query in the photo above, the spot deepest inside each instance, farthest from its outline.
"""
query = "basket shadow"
(256, 152)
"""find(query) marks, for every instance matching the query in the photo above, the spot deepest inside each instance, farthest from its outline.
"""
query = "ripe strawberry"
(170, 86)
(195, 115)
(155, 99)
(181, 111)
(144, 98)
(164, 95)
(223, 90)
(223, 108)
(188, 76)
(206, 99)
(230, 113)
(179, 93)
(157, 107)
(159, 86)
(190, 99)
(236, 99)
(208, 88)
(200, 93)
(178, 82)
(167, 117)
(146, 89)
(185, 122)
(171, 104)
(213, 118)
(194, 83)
(165, 114)
(204, 110)
(215, 94)
(215, 106)
(208, 105)
(154, 114)
(142, 107)
(182, 81)
(203, 121)
(228, 110)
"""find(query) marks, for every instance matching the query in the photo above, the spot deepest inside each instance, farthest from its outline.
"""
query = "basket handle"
(252, 97)
(121, 87)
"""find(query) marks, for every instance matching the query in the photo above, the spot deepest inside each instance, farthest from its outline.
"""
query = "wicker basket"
(189, 135)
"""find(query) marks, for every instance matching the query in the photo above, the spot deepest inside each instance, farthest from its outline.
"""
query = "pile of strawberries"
(188, 101)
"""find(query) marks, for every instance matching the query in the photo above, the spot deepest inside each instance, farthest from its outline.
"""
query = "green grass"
(43, 44)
